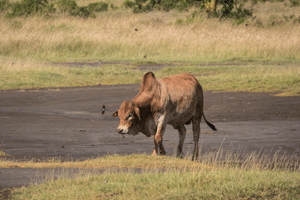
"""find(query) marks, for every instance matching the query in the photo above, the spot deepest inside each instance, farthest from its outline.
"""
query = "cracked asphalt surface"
(68, 123)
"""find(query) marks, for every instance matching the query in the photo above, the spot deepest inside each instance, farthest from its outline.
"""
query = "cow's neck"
(148, 100)
(147, 126)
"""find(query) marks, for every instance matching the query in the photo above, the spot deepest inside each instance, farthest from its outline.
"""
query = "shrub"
(235, 9)
(128, 4)
(71, 7)
(82, 12)
(16, 10)
(97, 7)
(149, 5)
(295, 3)
(67, 6)
(4, 5)
(175, 4)
(30, 7)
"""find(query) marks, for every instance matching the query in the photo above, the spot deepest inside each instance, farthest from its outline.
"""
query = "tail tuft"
(210, 124)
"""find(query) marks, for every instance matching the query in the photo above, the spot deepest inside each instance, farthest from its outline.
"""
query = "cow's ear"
(137, 111)
(115, 114)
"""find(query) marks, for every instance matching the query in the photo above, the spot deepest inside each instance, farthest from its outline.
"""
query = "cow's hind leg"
(196, 134)
(182, 132)
(158, 141)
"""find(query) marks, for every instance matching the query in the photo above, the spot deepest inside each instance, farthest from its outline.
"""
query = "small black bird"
(136, 29)
(145, 56)
(103, 109)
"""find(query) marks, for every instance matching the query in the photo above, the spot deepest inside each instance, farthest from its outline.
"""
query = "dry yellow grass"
(114, 2)
(115, 161)
(263, 10)
(112, 36)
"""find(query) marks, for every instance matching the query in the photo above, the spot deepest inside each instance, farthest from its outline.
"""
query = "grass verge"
(116, 161)
(210, 178)
(281, 79)
(204, 184)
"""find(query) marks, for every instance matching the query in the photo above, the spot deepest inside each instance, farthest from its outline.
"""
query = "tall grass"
(111, 36)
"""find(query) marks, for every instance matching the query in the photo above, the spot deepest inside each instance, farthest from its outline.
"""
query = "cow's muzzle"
(120, 130)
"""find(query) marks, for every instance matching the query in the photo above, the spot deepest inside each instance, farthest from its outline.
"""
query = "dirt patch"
(67, 123)
(144, 65)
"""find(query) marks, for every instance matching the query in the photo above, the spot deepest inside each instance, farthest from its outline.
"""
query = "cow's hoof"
(179, 155)
(154, 153)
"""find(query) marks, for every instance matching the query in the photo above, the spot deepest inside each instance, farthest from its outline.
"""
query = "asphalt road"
(67, 123)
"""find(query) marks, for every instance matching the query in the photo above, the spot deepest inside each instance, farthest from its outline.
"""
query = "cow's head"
(128, 114)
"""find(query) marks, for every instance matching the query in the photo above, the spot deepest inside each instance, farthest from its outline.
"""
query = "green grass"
(30, 75)
(216, 175)
(282, 79)
(204, 184)
(210, 178)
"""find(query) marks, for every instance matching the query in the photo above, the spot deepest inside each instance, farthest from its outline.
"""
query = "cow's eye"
(129, 115)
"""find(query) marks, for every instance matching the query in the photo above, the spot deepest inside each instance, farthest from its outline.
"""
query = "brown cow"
(176, 100)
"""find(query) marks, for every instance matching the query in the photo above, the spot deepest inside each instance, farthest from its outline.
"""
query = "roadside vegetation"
(222, 175)
(283, 80)
(203, 184)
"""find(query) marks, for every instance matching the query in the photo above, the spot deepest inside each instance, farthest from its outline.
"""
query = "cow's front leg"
(158, 141)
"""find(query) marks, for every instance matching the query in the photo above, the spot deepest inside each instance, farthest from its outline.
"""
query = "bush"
(82, 12)
(4, 5)
(30, 7)
(235, 9)
(71, 7)
(128, 4)
(295, 3)
(175, 4)
(67, 6)
(98, 7)
(148, 5)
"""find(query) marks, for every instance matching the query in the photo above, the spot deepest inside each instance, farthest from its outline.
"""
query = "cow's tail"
(210, 124)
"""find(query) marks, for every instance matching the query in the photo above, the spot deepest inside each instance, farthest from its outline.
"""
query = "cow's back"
(180, 96)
